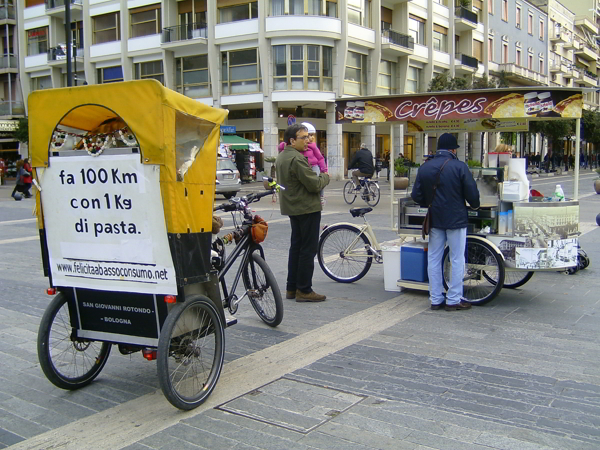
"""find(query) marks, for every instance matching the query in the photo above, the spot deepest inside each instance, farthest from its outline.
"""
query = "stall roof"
(475, 110)
(235, 142)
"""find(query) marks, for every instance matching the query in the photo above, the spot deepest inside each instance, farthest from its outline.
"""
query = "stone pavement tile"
(262, 439)
(549, 440)
(242, 446)
(317, 439)
(52, 420)
(19, 426)
(59, 404)
(355, 419)
(574, 430)
(7, 438)
(200, 437)
(507, 443)
(23, 409)
(220, 427)
(442, 442)
(366, 438)
(242, 422)
(136, 446)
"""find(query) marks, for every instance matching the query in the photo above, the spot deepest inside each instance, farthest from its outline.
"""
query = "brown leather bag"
(426, 228)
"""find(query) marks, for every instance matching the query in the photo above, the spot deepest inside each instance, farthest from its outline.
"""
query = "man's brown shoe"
(312, 296)
(459, 306)
(290, 295)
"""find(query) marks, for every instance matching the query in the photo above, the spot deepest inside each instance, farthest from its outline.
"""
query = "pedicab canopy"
(127, 172)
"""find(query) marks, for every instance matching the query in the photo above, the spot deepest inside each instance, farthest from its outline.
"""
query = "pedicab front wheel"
(67, 361)
(191, 349)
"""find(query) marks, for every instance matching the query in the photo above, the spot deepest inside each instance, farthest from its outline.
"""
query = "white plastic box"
(391, 268)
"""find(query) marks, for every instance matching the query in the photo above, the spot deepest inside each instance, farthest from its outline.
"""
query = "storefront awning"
(233, 142)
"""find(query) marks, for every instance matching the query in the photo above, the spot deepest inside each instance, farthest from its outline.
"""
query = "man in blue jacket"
(449, 218)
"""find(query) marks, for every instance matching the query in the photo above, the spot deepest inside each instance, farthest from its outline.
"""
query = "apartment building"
(265, 60)
(11, 98)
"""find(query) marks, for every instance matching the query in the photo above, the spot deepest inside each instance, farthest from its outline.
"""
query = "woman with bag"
(19, 186)
(27, 171)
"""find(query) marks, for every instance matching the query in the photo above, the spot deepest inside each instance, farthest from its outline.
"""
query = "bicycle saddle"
(359, 212)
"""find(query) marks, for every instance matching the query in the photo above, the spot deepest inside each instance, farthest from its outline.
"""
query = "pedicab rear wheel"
(191, 349)
(67, 361)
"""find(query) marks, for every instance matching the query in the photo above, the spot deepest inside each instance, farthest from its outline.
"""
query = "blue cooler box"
(413, 262)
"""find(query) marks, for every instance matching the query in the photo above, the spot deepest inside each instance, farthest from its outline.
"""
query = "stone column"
(477, 145)
(335, 152)
(367, 134)
(270, 130)
(463, 142)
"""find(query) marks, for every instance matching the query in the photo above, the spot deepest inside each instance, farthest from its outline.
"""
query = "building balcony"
(586, 53)
(396, 44)
(571, 43)
(567, 71)
(464, 19)
(314, 26)
(58, 55)
(184, 32)
(7, 13)
(8, 108)
(56, 8)
(587, 25)
(465, 64)
(554, 66)
(522, 75)
(588, 78)
(557, 36)
(8, 63)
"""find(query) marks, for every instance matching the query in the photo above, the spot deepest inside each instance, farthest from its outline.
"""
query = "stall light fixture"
(170, 299)
(51, 291)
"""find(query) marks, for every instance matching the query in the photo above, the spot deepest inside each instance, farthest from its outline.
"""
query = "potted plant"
(597, 182)
(401, 175)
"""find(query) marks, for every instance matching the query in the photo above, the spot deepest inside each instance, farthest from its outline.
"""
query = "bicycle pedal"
(229, 319)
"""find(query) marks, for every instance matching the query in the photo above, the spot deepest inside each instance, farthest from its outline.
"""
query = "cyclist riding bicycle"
(363, 162)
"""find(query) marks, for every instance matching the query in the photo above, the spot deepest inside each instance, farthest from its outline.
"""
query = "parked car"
(228, 178)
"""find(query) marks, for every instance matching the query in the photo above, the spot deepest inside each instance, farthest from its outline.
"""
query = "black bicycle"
(368, 190)
(261, 286)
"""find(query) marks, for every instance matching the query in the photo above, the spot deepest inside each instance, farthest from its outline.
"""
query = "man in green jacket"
(301, 202)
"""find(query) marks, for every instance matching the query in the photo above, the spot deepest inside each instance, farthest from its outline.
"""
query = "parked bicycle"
(260, 284)
(368, 190)
(346, 250)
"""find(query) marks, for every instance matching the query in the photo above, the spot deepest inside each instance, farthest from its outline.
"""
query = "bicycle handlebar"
(236, 203)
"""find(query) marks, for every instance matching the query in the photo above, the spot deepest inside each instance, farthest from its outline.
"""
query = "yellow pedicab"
(127, 176)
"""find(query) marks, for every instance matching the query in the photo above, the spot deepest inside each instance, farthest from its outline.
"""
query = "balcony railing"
(7, 12)
(463, 13)
(393, 37)
(50, 4)
(18, 108)
(590, 74)
(467, 60)
(184, 32)
(8, 62)
(59, 52)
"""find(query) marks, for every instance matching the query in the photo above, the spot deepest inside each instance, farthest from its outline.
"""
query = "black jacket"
(363, 161)
(449, 210)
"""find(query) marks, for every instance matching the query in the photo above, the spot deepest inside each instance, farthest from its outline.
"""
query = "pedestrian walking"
(301, 202)
(19, 189)
(27, 179)
(445, 183)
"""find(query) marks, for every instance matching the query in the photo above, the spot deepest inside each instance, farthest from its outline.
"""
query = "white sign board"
(105, 225)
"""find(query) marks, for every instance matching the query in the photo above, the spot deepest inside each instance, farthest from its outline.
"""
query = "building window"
(518, 16)
(477, 8)
(110, 74)
(192, 16)
(355, 78)
(106, 28)
(150, 69)
(356, 12)
(238, 12)
(491, 7)
(518, 57)
(37, 42)
(241, 72)
(505, 10)
(39, 83)
(440, 38)
(530, 62)
(413, 75)
(191, 76)
(504, 53)
(541, 29)
(478, 50)
(309, 69)
(490, 49)
(145, 21)
(542, 66)
(416, 29)
(530, 23)
(386, 79)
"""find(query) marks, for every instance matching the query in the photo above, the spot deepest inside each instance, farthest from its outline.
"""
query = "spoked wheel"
(373, 194)
(68, 362)
(512, 278)
(349, 193)
(263, 290)
(191, 348)
(484, 272)
(344, 254)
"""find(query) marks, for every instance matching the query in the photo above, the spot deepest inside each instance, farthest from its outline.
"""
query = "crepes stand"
(512, 234)
(243, 152)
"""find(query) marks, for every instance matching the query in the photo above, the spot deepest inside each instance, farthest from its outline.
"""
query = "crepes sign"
(487, 109)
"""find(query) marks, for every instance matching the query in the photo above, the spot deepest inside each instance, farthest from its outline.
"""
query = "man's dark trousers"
(303, 248)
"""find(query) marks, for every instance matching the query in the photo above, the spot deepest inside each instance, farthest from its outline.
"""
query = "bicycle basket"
(259, 229)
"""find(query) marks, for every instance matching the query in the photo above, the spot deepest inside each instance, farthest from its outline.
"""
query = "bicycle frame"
(360, 251)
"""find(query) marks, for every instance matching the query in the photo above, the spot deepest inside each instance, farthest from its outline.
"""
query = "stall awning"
(234, 142)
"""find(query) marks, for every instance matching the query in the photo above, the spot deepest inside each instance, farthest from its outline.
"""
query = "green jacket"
(302, 185)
